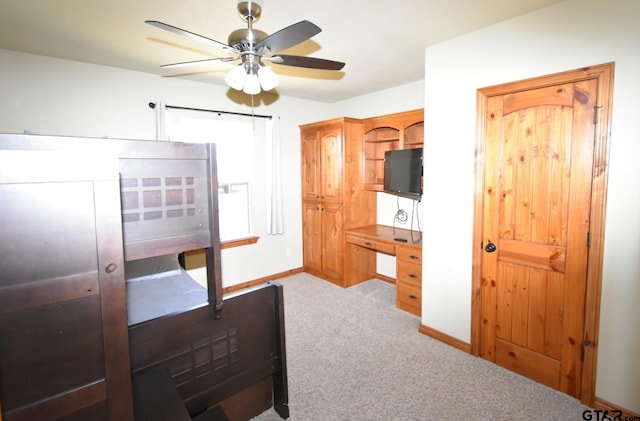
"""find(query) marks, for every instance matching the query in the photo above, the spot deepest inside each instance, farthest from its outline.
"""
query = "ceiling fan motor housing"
(245, 38)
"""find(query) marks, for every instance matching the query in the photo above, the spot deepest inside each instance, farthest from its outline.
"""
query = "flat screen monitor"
(403, 173)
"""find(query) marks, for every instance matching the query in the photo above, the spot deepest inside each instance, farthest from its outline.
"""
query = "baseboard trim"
(603, 405)
(385, 278)
(260, 281)
(443, 337)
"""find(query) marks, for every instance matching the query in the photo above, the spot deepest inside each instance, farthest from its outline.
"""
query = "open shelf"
(403, 130)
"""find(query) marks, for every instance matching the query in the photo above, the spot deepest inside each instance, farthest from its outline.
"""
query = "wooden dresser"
(406, 245)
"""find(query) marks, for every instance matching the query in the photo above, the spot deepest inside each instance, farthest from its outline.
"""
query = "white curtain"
(275, 213)
(162, 132)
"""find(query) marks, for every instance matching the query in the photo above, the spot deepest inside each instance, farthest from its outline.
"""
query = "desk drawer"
(409, 298)
(380, 246)
(410, 254)
(409, 274)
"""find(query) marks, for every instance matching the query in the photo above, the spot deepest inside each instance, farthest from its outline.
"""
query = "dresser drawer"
(409, 274)
(410, 254)
(372, 244)
(409, 298)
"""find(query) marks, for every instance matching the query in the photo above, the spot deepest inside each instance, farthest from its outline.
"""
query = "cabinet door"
(332, 241)
(310, 165)
(312, 236)
(331, 164)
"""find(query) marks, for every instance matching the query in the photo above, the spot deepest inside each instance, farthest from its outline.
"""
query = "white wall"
(569, 35)
(60, 97)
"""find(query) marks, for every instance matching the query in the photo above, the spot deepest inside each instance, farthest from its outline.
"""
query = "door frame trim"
(604, 73)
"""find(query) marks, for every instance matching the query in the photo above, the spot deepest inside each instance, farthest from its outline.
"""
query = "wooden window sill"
(228, 244)
(238, 242)
(196, 258)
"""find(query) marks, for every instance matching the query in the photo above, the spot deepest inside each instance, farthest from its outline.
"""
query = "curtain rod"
(153, 105)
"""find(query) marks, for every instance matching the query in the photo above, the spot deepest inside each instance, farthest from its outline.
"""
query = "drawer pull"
(367, 243)
(413, 275)
(413, 297)
(413, 257)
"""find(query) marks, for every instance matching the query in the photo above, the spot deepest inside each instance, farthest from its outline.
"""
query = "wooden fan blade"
(309, 62)
(289, 36)
(186, 33)
(195, 62)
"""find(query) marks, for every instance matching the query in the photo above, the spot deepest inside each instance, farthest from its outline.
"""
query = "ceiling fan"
(252, 46)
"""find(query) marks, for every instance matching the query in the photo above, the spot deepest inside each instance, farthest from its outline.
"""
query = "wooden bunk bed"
(97, 320)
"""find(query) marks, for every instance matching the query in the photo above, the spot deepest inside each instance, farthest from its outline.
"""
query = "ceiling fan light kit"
(251, 46)
(251, 84)
(268, 78)
(235, 78)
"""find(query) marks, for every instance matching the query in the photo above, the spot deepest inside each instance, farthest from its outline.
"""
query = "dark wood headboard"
(168, 197)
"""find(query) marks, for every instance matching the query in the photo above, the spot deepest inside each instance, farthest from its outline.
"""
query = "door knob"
(490, 248)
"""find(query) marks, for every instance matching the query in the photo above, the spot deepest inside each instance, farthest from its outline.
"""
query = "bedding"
(158, 286)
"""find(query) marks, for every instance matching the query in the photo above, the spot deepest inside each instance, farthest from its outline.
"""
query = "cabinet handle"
(366, 243)
(413, 257)
(413, 297)
(413, 275)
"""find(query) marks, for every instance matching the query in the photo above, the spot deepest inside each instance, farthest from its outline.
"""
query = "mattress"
(161, 292)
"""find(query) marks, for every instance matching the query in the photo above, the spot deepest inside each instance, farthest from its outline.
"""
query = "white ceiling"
(382, 42)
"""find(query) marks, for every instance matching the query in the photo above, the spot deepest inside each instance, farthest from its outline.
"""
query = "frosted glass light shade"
(236, 77)
(268, 79)
(251, 84)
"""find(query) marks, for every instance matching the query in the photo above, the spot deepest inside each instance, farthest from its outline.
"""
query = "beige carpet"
(352, 355)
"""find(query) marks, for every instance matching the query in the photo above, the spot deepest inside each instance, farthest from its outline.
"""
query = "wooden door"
(331, 164)
(312, 236)
(332, 241)
(310, 164)
(539, 151)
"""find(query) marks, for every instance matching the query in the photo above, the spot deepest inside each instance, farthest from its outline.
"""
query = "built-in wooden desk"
(406, 245)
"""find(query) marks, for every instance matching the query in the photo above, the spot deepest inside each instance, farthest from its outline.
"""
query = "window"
(234, 137)
(234, 203)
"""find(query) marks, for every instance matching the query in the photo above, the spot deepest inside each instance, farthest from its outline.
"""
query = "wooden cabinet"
(322, 165)
(322, 224)
(334, 198)
(409, 279)
(403, 130)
